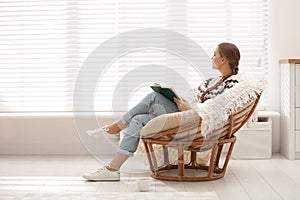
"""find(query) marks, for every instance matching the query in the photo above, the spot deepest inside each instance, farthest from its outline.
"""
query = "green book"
(167, 91)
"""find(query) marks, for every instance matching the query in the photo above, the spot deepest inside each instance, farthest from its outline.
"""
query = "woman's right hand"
(182, 104)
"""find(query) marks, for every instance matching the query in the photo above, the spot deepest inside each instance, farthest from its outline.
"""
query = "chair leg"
(228, 156)
(192, 163)
(153, 159)
(148, 156)
(212, 164)
(180, 162)
(220, 147)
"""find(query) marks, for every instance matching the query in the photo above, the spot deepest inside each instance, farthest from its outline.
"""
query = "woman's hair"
(232, 54)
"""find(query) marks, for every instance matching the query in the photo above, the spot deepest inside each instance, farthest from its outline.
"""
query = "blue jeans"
(153, 105)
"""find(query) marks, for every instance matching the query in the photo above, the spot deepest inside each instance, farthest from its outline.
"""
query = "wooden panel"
(298, 141)
(297, 96)
(298, 75)
(297, 88)
(297, 118)
(252, 181)
(287, 126)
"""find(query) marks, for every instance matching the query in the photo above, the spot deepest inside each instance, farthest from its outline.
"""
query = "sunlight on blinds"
(43, 45)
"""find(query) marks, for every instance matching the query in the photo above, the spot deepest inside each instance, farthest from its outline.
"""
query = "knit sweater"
(208, 83)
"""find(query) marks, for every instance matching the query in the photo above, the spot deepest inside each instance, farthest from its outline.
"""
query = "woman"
(225, 59)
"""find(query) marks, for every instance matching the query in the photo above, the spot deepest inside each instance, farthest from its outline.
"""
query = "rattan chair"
(193, 142)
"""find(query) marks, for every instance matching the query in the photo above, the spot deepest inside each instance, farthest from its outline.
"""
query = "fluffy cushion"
(215, 112)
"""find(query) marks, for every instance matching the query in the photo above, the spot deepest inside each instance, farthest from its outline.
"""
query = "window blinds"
(43, 45)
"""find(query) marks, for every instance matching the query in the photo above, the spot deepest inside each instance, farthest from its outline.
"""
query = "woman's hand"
(182, 104)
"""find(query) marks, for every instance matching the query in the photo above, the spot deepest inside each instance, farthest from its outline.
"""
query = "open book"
(167, 91)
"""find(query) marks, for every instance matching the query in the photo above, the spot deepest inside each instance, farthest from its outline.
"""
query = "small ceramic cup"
(144, 184)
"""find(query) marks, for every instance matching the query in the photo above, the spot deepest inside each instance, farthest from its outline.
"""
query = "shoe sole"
(111, 137)
(101, 179)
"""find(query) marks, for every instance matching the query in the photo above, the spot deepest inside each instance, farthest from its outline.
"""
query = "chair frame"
(193, 143)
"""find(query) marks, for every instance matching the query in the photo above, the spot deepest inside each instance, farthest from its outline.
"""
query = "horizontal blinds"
(37, 67)
(241, 22)
(44, 44)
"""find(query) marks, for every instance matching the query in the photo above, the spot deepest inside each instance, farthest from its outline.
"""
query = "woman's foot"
(114, 137)
(113, 128)
(110, 131)
(103, 174)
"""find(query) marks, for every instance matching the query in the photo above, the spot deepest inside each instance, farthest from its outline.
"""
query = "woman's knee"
(137, 123)
(140, 120)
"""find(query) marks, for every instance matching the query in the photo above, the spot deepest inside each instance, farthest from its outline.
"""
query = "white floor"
(59, 177)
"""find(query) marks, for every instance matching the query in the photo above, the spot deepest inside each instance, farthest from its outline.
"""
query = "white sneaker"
(102, 174)
(103, 131)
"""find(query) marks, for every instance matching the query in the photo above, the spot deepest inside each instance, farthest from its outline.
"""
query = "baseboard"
(50, 149)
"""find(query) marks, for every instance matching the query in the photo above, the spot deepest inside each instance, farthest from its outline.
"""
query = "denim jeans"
(153, 105)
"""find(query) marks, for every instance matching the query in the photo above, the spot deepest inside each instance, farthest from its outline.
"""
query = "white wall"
(284, 42)
(49, 134)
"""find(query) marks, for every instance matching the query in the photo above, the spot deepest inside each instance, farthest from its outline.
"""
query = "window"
(43, 45)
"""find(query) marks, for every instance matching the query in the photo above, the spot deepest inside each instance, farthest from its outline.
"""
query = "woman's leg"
(154, 104)
(131, 137)
(130, 141)
(151, 106)
(116, 163)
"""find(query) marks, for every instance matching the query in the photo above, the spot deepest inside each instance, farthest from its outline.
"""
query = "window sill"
(90, 114)
(8, 115)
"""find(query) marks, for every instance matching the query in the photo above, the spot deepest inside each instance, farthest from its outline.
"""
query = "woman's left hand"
(182, 104)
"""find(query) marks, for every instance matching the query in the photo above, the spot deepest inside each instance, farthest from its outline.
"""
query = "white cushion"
(169, 121)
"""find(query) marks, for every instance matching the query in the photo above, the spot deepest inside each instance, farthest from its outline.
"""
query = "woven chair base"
(191, 171)
(189, 138)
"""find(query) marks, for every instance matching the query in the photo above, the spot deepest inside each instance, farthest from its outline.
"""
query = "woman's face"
(217, 59)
